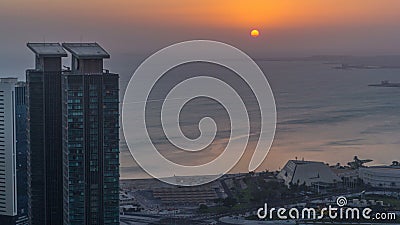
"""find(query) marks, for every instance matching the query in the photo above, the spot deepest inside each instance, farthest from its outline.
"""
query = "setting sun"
(254, 33)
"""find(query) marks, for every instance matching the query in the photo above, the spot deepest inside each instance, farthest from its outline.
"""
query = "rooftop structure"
(87, 58)
(47, 56)
(47, 49)
(86, 50)
(9, 80)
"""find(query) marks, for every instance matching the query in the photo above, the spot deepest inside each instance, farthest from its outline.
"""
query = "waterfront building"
(90, 97)
(45, 162)
(381, 176)
(309, 173)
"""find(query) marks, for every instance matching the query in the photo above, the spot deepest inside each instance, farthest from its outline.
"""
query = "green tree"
(203, 208)
(230, 202)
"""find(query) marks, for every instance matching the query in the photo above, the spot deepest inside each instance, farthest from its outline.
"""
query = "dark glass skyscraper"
(90, 138)
(22, 146)
(45, 165)
(73, 138)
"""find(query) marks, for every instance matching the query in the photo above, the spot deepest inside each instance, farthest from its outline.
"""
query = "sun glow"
(254, 33)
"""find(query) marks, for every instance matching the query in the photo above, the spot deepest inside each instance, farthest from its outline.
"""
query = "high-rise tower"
(45, 165)
(90, 138)
(13, 173)
(22, 150)
(8, 173)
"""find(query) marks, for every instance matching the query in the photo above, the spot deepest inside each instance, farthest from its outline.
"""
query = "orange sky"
(287, 27)
(221, 13)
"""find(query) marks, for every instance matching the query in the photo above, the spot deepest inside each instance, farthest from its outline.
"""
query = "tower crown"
(87, 58)
(48, 56)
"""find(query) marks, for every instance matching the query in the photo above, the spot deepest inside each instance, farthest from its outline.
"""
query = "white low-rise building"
(381, 176)
(308, 173)
(8, 171)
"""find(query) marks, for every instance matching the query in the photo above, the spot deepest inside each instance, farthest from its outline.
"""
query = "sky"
(139, 28)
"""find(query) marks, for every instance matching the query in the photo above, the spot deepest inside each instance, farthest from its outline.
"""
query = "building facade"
(45, 174)
(387, 177)
(13, 173)
(22, 148)
(309, 173)
(8, 173)
(90, 138)
(73, 124)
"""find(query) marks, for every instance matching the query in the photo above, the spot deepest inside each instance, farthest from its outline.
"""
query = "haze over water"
(324, 114)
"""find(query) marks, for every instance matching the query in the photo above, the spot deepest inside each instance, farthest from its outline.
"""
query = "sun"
(254, 33)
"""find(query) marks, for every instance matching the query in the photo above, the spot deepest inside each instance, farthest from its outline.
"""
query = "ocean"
(325, 112)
